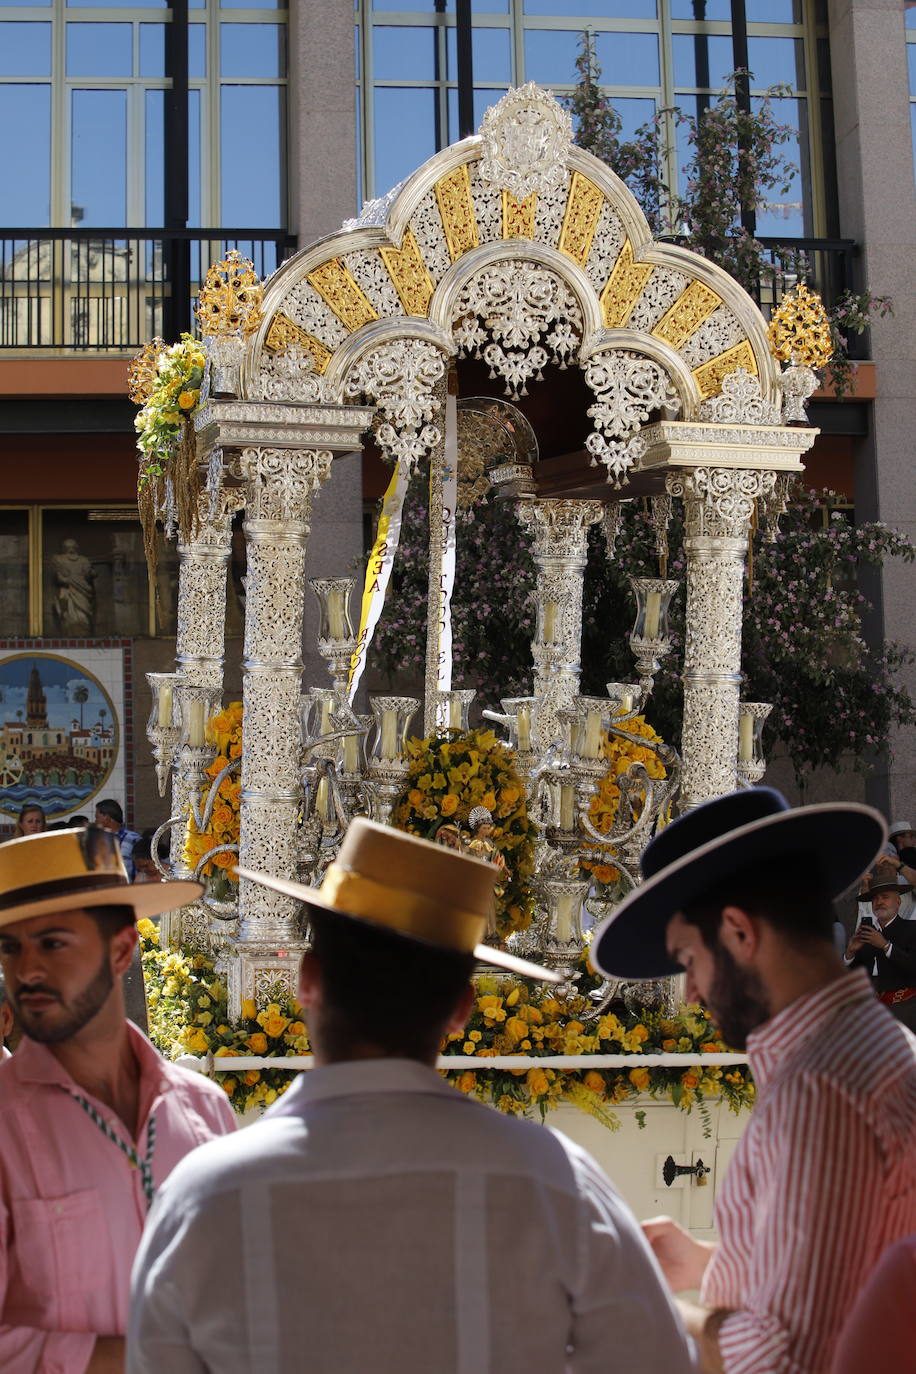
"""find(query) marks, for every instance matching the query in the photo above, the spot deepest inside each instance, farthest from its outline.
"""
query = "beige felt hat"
(420, 890)
(64, 869)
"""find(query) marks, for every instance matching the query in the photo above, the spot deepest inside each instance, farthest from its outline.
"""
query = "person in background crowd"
(885, 947)
(738, 894)
(93, 1118)
(9, 1031)
(377, 1221)
(145, 870)
(903, 839)
(109, 816)
(881, 1330)
(30, 821)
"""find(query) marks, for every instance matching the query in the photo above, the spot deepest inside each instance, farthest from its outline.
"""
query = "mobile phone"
(867, 922)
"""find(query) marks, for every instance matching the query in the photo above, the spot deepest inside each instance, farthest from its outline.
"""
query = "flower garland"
(602, 810)
(165, 383)
(188, 1015)
(224, 730)
(448, 775)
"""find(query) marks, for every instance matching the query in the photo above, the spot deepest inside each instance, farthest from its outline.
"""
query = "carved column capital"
(719, 502)
(280, 483)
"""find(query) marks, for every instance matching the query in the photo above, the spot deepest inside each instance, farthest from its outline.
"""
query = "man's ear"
(123, 944)
(309, 980)
(462, 1011)
(739, 933)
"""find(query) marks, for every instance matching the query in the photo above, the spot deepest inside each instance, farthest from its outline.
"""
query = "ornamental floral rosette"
(602, 811)
(450, 774)
(224, 730)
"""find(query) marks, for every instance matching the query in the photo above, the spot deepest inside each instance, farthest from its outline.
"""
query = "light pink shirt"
(72, 1206)
(822, 1180)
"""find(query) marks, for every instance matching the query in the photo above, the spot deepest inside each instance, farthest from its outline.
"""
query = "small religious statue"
(449, 835)
(481, 845)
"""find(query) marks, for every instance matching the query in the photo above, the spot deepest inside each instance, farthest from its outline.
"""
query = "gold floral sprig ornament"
(799, 330)
(230, 299)
(143, 373)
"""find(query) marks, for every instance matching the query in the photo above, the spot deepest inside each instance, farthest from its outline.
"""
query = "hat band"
(400, 909)
(57, 887)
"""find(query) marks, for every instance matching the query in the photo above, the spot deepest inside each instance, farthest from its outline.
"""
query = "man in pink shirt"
(93, 1118)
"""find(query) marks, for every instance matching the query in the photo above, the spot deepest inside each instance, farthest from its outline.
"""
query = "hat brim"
(147, 900)
(630, 943)
(901, 890)
(485, 954)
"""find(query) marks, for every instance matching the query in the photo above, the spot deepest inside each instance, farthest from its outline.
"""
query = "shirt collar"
(360, 1076)
(777, 1039)
(34, 1063)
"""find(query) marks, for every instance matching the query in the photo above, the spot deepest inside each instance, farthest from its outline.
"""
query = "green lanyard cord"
(144, 1165)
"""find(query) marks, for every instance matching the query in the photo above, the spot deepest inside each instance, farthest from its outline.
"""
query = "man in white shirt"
(376, 1219)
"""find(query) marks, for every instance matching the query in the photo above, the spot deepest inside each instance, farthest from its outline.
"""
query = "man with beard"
(738, 895)
(93, 1118)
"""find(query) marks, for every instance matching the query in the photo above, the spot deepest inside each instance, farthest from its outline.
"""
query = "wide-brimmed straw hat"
(60, 870)
(422, 891)
(700, 849)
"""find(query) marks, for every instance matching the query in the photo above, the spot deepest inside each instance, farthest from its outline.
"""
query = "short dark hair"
(382, 989)
(111, 919)
(791, 894)
(110, 808)
(142, 850)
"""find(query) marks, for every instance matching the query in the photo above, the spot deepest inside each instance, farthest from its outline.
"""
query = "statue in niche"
(481, 845)
(73, 607)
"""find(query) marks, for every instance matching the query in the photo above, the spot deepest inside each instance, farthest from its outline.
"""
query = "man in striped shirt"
(738, 895)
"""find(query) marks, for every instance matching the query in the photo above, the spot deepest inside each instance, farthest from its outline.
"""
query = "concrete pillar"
(878, 209)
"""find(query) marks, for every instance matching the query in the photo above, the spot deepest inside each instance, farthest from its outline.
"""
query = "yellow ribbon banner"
(378, 571)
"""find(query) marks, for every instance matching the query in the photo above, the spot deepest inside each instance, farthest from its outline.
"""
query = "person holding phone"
(885, 947)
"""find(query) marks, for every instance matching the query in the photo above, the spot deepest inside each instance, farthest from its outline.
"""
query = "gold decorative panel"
(581, 219)
(335, 284)
(283, 332)
(709, 376)
(518, 216)
(456, 207)
(692, 307)
(407, 270)
(624, 288)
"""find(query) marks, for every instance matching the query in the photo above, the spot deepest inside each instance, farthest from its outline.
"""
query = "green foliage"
(735, 165)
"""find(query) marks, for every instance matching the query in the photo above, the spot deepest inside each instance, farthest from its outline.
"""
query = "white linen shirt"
(377, 1221)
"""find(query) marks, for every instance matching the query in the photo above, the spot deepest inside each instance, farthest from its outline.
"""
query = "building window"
(79, 572)
(82, 130)
(654, 54)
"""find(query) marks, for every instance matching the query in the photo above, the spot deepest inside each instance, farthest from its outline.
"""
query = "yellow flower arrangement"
(165, 383)
(799, 330)
(188, 1013)
(224, 731)
(448, 775)
(602, 810)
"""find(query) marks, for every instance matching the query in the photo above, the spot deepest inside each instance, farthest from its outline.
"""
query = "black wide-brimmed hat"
(698, 850)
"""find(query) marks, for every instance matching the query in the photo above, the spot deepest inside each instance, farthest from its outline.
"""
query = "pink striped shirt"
(822, 1181)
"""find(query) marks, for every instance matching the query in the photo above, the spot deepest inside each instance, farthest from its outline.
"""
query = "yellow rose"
(594, 1082)
(187, 400)
(449, 804)
(639, 1078)
(414, 797)
(467, 1082)
(229, 1084)
(249, 1010)
(145, 928)
(224, 1052)
(257, 1043)
(195, 1041)
(275, 1024)
(468, 1047)
(251, 1077)
(538, 1082)
(296, 1028)
(516, 1027)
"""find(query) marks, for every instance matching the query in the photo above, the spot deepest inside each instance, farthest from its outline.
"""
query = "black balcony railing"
(71, 290)
(98, 290)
